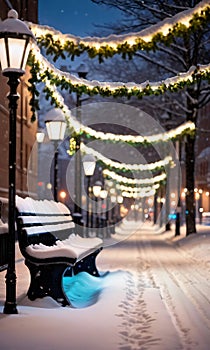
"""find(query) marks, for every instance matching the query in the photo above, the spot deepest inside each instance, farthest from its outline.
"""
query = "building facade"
(26, 130)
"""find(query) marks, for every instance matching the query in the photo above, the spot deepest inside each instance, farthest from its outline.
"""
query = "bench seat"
(74, 247)
(51, 248)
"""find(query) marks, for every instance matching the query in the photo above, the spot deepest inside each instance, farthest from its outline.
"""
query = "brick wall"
(26, 131)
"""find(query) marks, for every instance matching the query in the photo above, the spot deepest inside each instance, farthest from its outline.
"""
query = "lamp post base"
(10, 306)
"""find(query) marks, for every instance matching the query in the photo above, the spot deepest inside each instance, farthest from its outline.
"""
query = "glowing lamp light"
(120, 199)
(62, 194)
(55, 124)
(56, 127)
(113, 199)
(97, 188)
(89, 164)
(40, 135)
(103, 194)
(197, 196)
(15, 43)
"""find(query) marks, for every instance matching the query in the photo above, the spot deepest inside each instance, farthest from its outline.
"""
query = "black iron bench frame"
(46, 274)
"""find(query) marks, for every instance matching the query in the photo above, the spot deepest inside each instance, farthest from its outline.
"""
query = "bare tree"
(184, 52)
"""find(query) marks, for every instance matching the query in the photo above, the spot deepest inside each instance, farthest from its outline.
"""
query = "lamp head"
(89, 164)
(97, 188)
(55, 124)
(15, 43)
(82, 71)
(40, 135)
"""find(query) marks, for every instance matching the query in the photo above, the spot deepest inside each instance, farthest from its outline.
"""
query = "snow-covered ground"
(154, 294)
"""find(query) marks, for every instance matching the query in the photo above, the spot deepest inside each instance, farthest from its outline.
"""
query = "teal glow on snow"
(83, 289)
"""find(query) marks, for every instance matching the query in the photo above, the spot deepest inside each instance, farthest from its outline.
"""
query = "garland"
(141, 194)
(42, 70)
(127, 180)
(77, 127)
(133, 192)
(124, 166)
(66, 81)
(187, 128)
(136, 189)
(58, 44)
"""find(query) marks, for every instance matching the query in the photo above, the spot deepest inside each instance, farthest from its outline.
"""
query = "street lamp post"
(178, 209)
(155, 208)
(120, 202)
(15, 44)
(96, 192)
(104, 221)
(40, 139)
(82, 73)
(56, 127)
(89, 164)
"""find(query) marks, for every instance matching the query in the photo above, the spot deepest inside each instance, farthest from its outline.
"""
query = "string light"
(126, 180)
(127, 44)
(130, 167)
(73, 123)
(68, 81)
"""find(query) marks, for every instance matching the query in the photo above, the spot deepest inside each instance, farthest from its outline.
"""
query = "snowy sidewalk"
(131, 312)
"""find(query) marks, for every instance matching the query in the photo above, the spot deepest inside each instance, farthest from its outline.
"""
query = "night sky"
(75, 16)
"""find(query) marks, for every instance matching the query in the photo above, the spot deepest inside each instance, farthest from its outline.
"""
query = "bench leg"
(88, 264)
(46, 280)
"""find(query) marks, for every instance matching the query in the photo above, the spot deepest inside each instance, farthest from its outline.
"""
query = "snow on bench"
(50, 247)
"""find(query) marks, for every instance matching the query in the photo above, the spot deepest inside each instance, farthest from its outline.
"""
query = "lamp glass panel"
(62, 130)
(56, 130)
(89, 168)
(3, 56)
(28, 48)
(16, 51)
(40, 136)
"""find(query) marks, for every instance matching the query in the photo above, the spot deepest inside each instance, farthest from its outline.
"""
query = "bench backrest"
(42, 221)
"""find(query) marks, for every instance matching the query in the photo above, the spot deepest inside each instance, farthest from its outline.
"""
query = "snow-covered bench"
(50, 247)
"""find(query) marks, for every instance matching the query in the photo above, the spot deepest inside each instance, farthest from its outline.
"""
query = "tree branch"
(169, 69)
(172, 53)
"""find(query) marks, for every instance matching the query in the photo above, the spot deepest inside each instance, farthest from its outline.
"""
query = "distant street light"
(62, 195)
(56, 127)
(104, 221)
(113, 199)
(40, 134)
(15, 44)
(89, 164)
(178, 209)
(82, 73)
(96, 191)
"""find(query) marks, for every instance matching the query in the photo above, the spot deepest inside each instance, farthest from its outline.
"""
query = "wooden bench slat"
(29, 205)
(60, 250)
(44, 219)
(48, 228)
